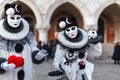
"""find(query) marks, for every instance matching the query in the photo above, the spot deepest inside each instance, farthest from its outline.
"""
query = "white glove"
(41, 54)
(92, 34)
(8, 67)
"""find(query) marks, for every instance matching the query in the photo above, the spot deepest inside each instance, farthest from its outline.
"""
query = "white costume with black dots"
(18, 51)
(71, 52)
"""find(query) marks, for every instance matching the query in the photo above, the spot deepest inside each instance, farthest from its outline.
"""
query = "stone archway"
(69, 10)
(111, 17)
(111, 20)
(79, 5)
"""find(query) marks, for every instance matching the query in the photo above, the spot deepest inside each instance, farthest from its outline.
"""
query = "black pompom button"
(81, 55)
(19, 48)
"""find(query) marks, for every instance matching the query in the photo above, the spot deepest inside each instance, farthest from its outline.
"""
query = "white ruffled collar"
(80, 44)
(14, 36)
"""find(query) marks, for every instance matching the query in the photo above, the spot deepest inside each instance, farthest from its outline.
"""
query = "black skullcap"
(12, 9)
(65, 22)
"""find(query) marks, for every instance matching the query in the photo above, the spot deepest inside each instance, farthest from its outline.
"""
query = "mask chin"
(15, 25)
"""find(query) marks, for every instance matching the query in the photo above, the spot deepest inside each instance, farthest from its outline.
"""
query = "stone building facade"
(102, 15)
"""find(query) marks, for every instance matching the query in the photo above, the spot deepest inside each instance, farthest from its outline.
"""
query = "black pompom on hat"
(13, 9)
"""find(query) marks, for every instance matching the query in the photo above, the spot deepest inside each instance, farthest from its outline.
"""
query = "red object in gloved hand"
(81, 64)
(17, 60)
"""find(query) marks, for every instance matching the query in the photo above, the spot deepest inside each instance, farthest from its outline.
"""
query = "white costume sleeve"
(59, 57)
(95, 50)
(34, 45)
(38, 54)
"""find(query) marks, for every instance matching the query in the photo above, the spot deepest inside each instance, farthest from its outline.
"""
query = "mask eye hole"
(12, 18)
(73, 28)
(18, 17)
(67, 30)
(93, 32)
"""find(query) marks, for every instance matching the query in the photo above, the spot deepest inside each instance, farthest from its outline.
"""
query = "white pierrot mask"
(92, 34)
(14, 20)
(71, 31)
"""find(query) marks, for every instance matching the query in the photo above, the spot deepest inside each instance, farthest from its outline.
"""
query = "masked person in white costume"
(72, 50)
(18, 51)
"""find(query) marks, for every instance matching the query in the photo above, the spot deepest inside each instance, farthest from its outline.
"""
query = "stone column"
(90, 23)
(43, 29)
(43, 35)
